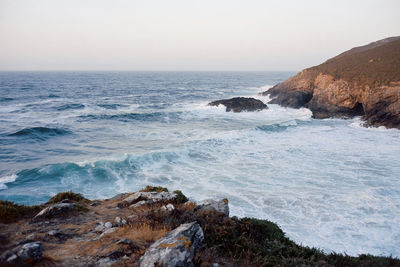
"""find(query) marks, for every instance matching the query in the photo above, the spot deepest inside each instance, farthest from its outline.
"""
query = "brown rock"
(364, 81)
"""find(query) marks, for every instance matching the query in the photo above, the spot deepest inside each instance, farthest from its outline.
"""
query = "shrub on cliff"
(11, 212)
(67, 195)
(158, 189)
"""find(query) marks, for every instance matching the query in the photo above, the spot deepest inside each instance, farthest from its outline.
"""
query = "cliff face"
(364, 81)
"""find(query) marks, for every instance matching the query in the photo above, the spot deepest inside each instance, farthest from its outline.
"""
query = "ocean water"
(330, 183)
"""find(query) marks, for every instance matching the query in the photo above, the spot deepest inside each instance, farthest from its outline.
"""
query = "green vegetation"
(263, 243)
(158, 189)
(181, 198)
(11, 212)
(376, 66)
(251, 241)
(68, 195)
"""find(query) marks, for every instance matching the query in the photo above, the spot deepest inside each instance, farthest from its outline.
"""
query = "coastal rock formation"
(172, 232)
(54, 210)
(142, 198)
(23, 255)
(175, 249)
(210, 204)
(239, 104)
(364, 81)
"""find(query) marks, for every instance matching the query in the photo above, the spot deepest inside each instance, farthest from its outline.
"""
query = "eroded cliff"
(364, 81)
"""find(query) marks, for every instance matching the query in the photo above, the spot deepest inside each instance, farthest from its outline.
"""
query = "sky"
(187, 35)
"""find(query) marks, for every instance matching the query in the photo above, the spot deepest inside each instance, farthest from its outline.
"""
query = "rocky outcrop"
(210, 204)
(143, 198)
(164, 233)
(177, 248)
(364, 81)
(54, 210)
(239, 104)
(23, 255)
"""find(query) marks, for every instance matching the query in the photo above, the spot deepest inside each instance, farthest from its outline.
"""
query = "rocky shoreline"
(364, 81)
(152, 227)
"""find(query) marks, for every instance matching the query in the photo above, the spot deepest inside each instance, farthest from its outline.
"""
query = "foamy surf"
(328, 183)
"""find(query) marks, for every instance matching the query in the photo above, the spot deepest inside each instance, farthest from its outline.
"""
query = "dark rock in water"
(239, 104)
(175, 249)
(294, 99)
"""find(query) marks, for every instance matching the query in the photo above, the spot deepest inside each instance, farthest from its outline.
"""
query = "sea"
(331, 183)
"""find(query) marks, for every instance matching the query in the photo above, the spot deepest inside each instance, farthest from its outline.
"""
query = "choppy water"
(328, 183)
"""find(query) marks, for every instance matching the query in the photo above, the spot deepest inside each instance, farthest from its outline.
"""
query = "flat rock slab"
(142, 198)
(54, 210)
(239, 104)
(177, 248)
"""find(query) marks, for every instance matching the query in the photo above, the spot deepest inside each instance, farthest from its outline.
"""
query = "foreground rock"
(239, 104)
(144, 198)
(175, 249)
(23, 255)
(210, 204)
(364, 81)
(54, 210)
(167, 231)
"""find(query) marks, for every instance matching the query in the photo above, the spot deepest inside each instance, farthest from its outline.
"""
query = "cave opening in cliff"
(358, 110)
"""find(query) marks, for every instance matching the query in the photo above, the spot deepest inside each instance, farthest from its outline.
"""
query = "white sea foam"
(328, 183)
(7, 179)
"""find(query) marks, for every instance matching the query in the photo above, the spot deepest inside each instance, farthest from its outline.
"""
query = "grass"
(11, 212)
(374, 67)
(68, 195)
(250, 241)
(181, 198)
(158, 189)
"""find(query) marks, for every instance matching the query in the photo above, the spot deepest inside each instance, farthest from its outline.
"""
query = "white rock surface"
(54, 210)
(210, 204)
(177, 248)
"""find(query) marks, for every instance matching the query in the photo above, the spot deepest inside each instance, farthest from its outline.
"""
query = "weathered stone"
(100, 227)
(147, 198)
(168, 207)
(108, 225)
(210, 204)
(354, 83)
(54, 210)
(239, 104)
(25, 254)
(141, 203)
(177, 248)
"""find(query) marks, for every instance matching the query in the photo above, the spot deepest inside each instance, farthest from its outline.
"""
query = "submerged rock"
(54, 210)
(177, 248)
(239, 104)
(210, 204)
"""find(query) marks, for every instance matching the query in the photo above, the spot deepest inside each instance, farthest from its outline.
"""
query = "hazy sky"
(187, 34)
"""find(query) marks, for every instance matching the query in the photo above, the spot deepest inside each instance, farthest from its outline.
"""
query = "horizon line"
(105, 70)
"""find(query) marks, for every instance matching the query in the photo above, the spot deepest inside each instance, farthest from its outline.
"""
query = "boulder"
(54, 210)
(177, 248)
(239, 104)
(23, 255)
(210, 204)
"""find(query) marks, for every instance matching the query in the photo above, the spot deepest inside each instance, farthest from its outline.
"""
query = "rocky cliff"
(364, 81)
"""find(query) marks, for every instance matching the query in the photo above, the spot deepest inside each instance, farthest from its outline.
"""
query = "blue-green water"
(328, 183)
